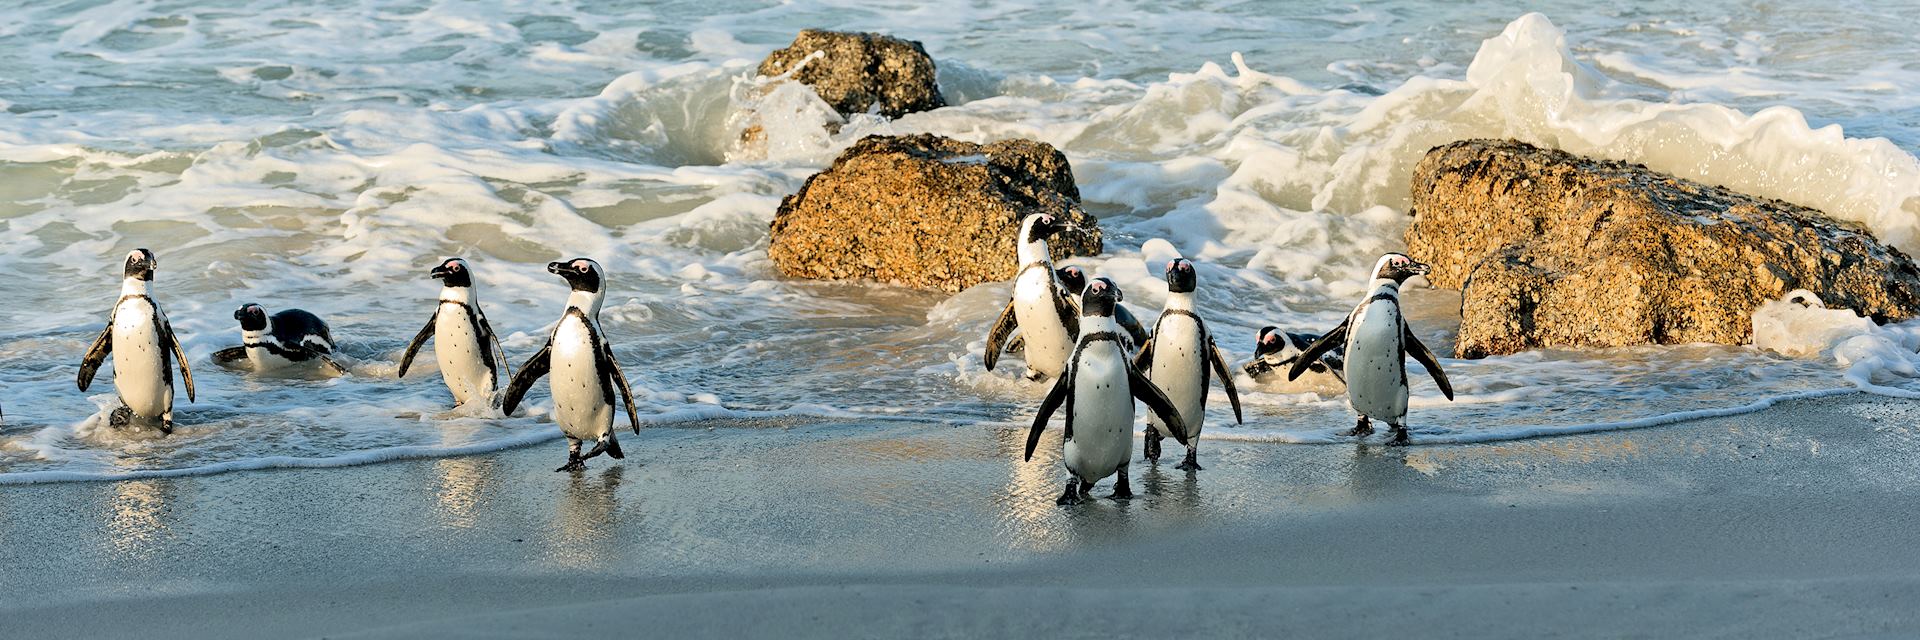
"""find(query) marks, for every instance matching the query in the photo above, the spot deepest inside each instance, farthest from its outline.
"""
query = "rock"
(926, 211)
(1550, 249)
(861, 70)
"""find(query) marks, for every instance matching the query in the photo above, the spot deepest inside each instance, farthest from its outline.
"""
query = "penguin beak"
(1420, 268)
(557, 268)
(439, 272)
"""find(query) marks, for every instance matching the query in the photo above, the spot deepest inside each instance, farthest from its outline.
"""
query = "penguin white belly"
(1102, 414)
(1179, 370)
(575, 378)
(139, 361)
(1376, 366)
(1048, 345)
(458, 347)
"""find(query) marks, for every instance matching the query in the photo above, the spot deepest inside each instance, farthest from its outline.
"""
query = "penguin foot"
(1362, 429)
(1399, 437)
(1034, 375)
(1191, 463)
(120, 417)
(166, 427)
(573, 464)
(1121, 490)
(1151, 443)
(1072, 496)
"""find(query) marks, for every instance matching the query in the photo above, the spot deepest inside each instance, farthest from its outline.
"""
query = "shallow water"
(326, 157)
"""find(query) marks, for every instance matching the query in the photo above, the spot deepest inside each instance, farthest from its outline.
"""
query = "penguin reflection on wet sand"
(1041, 308)
(584, 371)
(464, 343)
(1097, 390)
(289, 341)
(1378, 341)
(144, 350)
(1180, 359)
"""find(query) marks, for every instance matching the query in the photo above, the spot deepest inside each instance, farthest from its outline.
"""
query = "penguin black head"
(1270, 341)
(582, 273)
(1074, 279)
(140, 264)
(1180, 276)
(1041, 226)
(1398, 267)
(454, 273)
(1100, 297)
(252, 317)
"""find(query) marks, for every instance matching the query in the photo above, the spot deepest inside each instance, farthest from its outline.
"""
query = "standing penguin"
(583, 368)
(144, 349)
(291, 339)
(464, 342)
(1378, 341)
(1040, 308)
(1178, 359)
(1098, 388)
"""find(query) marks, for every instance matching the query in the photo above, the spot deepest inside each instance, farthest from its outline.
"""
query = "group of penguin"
(577, 358)
(1075, 332)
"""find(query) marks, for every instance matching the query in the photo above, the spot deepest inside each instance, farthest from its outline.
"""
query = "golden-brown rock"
(926, 211)
(857, 71)
(1550, 249)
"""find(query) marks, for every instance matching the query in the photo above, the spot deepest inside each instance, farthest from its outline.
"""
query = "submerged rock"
(1550, 249)
(926, 211)
(858, 72)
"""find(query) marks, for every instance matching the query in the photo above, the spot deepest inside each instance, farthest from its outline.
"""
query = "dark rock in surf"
(1550, 249)
(859, 72)
(926, 211)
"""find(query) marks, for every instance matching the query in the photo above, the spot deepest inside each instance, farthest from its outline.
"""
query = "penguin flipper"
(1226, 377)
(419, 340)
(1144, 359)
(1069, 311)
(535, 369)
(626, 392)
(495, 338)
(230, 355)
(168, 339)
(1055, 397)
(332, 365)
(997, 336)
(1156, 401)
(1131, 325)
(1426, 359)
(1319, 347)
(96, 355)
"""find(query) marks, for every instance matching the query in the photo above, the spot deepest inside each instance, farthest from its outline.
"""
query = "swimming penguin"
(463, 341)
(583, 367)
(1179, 359)
(1098, 388)
(1378, 341)
(1074, 281)
(291, 339)
(1040, 308)
(1274, 349)
(144, 349)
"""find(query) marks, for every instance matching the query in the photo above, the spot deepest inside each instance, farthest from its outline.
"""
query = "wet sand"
(1797, 522)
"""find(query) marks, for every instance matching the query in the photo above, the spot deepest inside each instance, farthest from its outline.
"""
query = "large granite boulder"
(858, 71)
(1550, 249)
(926, 211)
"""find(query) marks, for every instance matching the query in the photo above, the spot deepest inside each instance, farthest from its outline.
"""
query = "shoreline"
(1787, 522)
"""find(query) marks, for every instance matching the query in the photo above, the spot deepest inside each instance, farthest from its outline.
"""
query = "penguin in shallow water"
(291, 340)
(464, 342)
(1041, 307)
(1275, 350)
(1378, 341)
(1180, 359)
(583, 369)
(1074, 281)
(1097, 391)
(144, 349)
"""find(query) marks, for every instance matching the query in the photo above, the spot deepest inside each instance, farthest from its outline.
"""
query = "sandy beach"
(1796, 522)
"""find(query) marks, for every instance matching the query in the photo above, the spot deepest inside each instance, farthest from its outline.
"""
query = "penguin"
(1097, 388)
(1275, 349)
(464, 342)
(289, 339)
(1179, 359)
(1041, 307)
(583, 367)
(144, 350)
(1378, 341)
(1074, 282)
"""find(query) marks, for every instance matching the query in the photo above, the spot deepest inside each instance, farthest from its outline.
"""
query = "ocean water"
(326, 155)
